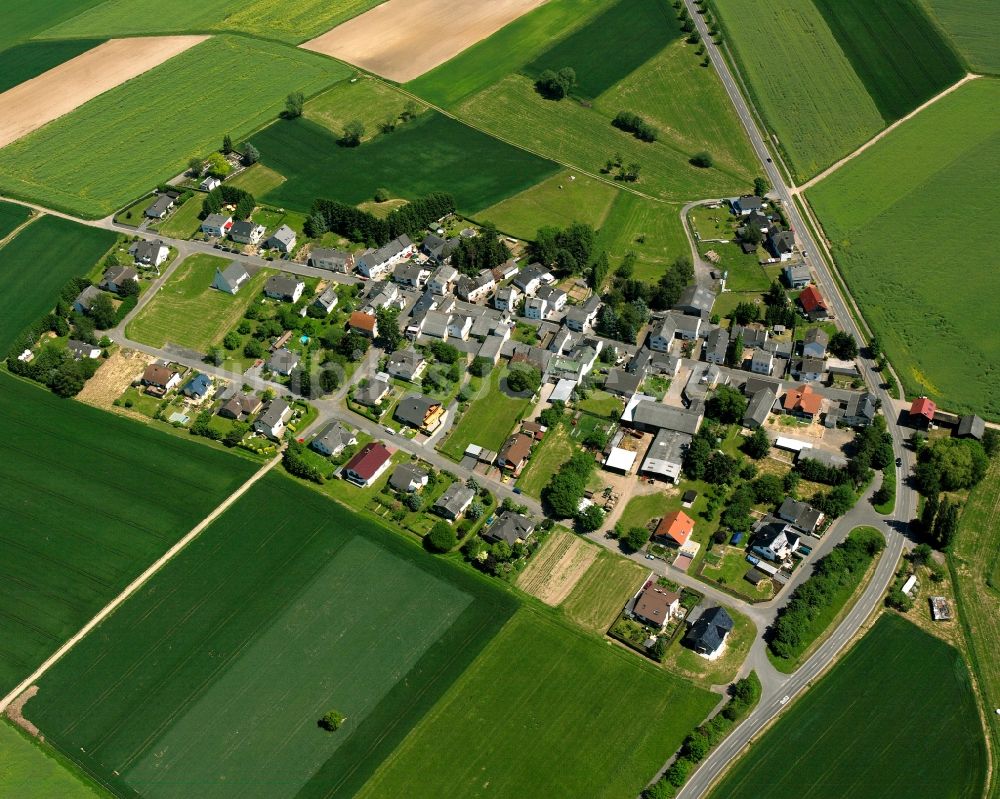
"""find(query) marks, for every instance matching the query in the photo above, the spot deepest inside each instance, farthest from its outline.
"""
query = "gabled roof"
(334, 436)
(371, 393)
(711, 628)
(156, 374)
(817, 335)
(455, 499)
(803, 399)
(510, 527)
(368, 460)
(276, 412)
(405, 362)
(197, 386)
(516, 449)
(283, 361)
(413, 409)
(654, 604)
(695, 296)
(677, 526)
(404, 475)
(811, 300)
(233, 274)
(362, 321)
(923, 407)
(971, 427)
(282, 285)
(284, 234)
(760, 406)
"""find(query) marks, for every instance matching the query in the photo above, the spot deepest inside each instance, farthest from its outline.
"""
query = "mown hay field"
(911, 225)
(856, 733)
(503, 53)
(431, 153)
(651, 230)
(366, 99)
(38, 262)
(611, 45)
(211, 679)
(189, 312)
(559, 713)
(975, 562)
(800, 80)
(287, 20)
(31, 59)
(599, 596)
(91, 499)
(117, 146)
(896, 50)
(557, 566)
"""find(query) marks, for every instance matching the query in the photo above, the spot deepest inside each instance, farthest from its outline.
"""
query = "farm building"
(922, 412)
(665, 456)
(695, 301)
(760, 406)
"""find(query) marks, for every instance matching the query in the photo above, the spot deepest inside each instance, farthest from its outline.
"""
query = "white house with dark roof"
(716, 346)
(406, 364)
(797, 276)
(581, 317)
(746, 204)
(375, 264)
(327, 300)
(283, 361)
(81, 350)
(159, 208)
(272, 421)
(149, 253)
(284, 287)
(815, 342)
(247, 232)
(339, 261)
(217, 225)
(116, 277)
(333, 439)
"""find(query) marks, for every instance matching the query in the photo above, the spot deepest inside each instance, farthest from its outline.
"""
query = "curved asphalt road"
(781, 689)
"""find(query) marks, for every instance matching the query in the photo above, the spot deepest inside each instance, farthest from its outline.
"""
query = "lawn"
(32, 771)
(189, 312)
(651, 230)
(93, 499)
(583, 137)
(745, 271)
(488, 421)
(975, 566)
(547, 458)
(911, 225)
(31, 59)
(601, 403)
(431, 153)
(599, 596)
(611, 45)
(33, 291)
(81, 163)
(366, 99)
(217, 692)
(258, 180)
(973, 26)
(557, 713)
(800, 80)
(727, 565)
(898, 53)
(183, 222)
(287, 20)
(857, 734)
(725, 669)
(503, 53)
(557, 201)
(11, 216)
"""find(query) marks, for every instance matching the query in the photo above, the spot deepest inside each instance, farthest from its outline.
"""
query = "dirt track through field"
(403, 39)
(557, 567)
(52, 94)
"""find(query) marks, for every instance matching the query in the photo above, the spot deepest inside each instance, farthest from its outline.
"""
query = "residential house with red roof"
(675, 528)
(813, 304)
(368, 465)
(363, 323)
(802, 402)
(922, 412)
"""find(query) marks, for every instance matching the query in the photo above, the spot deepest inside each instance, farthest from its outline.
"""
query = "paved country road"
(779, 689)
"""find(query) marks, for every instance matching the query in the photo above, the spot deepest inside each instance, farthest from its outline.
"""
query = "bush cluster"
(636, 125)
(357, 225)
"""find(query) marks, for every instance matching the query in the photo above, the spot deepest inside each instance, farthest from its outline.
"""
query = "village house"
(327, 300)
(239, 406)
(556, 298)
(364, 323)
(760, 406)
(159, 208)
(217, 225)
(375, 264)
(407, 364)
(535, 308)
(230, 279)
(80, 350)
(284, 287)
(247, 232)
(333, 439)
(922, 412)
(436, 325)
(283, 361)
(813, 304)
(661, 337)
(707, 635)
(115, 277)
(372, 392)
(514, 528)
(775, 540)
(861, 409)
(454, 501)
(475, 289)
(159, 378)
(459, 326)
(411, 274)
(339, 261)
(781, 244)
(514, 453)
(272, 421)
(582, 317)
(674, 529)
(805, 517)
(420, 412)
(149, 253)
(438, 249)
(716, 346)
(442, 282)
(368, 465)
(408, 479)
(746, 204)
(529, 279)
(656, 606)
(802, 402)
(282, 240)
(797, 276)
(197, 387)
(808, 369)
(762, 362)
(210, 182)
(815, 342)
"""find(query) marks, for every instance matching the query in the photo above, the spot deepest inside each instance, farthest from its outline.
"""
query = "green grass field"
(800, 79)
(367, 99)
(431, 153)
(65, 248)
(11, 216)
(975, 562)
(489, 420)
(910, 221)
(93, 499)
(31, 771)
(557, 201)
(602, 592)
(611, 45)
(82, 163)
(31, 59)
(725, 669)
(548, 458)
(973, 26)
(898, 53)
(858, 734)
(506, 51)
(189, 312)
(287, 20)
(183, 222)
(537, 700)
(584, 138)
(23, 19)
(258, 180)
(210, 680)
(651, 230)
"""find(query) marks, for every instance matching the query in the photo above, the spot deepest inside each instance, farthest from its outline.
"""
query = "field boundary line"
(33, 217)
(136, 584)
(969, 76)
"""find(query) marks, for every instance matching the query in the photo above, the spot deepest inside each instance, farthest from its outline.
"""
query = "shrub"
(636, 125)
(441, 538)
(703, 160)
